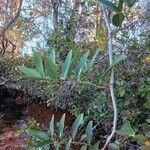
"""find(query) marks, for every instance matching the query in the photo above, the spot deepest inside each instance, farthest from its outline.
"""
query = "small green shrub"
(58, 138)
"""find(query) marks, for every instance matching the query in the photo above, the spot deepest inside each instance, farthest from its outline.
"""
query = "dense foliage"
(74, 71)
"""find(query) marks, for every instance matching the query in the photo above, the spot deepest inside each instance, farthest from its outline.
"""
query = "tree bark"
(73, 20)
(111, 82)
(145, 21)
(55, 4)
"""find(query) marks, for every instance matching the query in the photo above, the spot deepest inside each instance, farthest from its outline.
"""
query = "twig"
(6, 27)
(14, 19)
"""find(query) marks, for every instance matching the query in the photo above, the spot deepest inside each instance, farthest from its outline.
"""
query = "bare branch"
(5, 40)
(111, 87)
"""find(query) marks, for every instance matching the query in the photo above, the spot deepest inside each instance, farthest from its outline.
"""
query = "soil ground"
(12, 117)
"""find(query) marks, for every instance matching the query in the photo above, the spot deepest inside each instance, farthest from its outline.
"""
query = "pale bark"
(111, 83)
(73, 19)
(145, 8)
(145, 19)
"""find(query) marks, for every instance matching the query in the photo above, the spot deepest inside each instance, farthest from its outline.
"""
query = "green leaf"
(51, 69)
(76, 125)
(56, 146)
(95, 147)
(148, 120)
(63, 141)
(61, 125)
(66, 66)
(114, 146)
(68, 145)
(130, 3)
(141, 138)
(118, 59)
(30, 73)
(43, 144)
(52, 56)
(37, 134)
(89, 132)
(120, 5)
(118, 19)
(115, 62)
(109, 5)
(121, 91)
(147, 104)
(83, 137)
(84, 147)
(39, 63)
(91, 63)
(127, 130)
(51, 127)
(81, 64)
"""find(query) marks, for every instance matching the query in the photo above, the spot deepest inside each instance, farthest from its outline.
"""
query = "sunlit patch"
(147, 59)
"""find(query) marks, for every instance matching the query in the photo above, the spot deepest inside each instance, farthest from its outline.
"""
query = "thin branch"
(5, 40)
(14, 19)
(111, 87)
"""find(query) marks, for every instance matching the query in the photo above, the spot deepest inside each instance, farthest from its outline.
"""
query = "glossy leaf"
(84, 147)
(95, 146)
(52, 56)
(109, 5)
(114, 146)
(118, 19)
(68, 145)
(91, 63)
(120, 5)
(121, 91)
(51, 69)
(39, 63)
(148, 120)
(147, 104)
(130, 3)
(76, 125)
(37, 134)
(66, 66)
(30, 73)
(89, 132)
(116, 61)
(61, 125)
(63, 141)
(127, 130)
(44, 144)
(83, 137)
(56, 146)
(81, 64)
(51, 127)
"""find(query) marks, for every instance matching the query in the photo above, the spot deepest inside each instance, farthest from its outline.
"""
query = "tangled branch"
(4, 40)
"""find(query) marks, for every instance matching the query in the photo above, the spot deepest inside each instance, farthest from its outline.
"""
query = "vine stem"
(111, 87)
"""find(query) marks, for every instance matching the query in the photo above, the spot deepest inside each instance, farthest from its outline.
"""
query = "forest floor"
(16, 112)
(13, 117)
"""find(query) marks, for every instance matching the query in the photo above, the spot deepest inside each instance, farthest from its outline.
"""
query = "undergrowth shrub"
(58, 137)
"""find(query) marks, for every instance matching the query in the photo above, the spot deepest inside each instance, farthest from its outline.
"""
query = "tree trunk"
(55, 4)
(73, 19)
